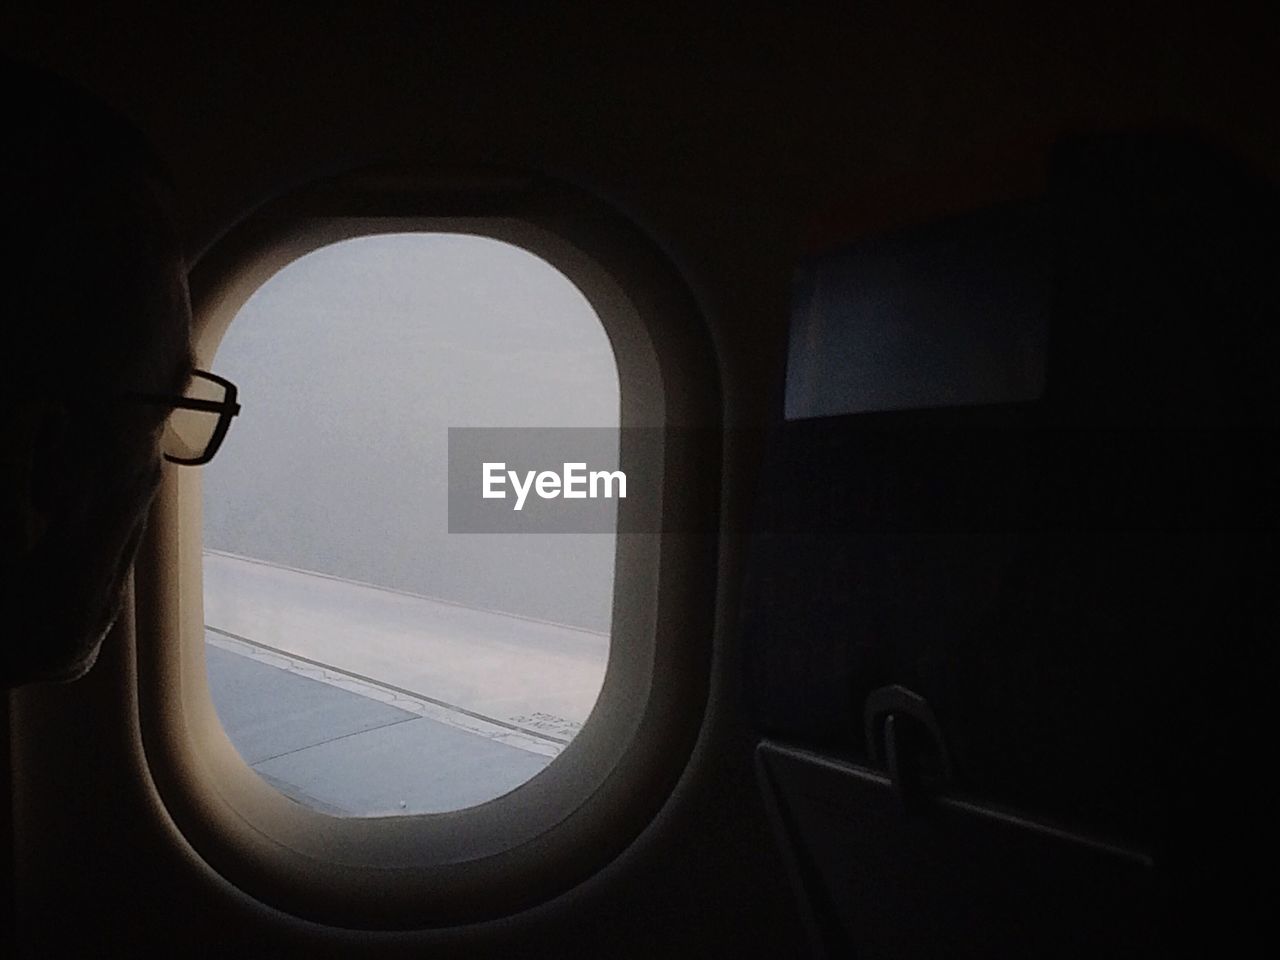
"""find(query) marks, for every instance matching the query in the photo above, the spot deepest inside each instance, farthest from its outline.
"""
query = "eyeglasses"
(199, 419)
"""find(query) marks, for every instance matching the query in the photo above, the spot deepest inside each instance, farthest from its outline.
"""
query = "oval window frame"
(569, 821)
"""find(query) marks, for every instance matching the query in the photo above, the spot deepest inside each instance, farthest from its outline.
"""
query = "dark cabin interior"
(988, 673)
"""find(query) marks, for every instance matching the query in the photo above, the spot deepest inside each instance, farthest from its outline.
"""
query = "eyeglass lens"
(188, 433)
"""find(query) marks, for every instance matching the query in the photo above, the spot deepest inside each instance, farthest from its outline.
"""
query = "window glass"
(362, 659)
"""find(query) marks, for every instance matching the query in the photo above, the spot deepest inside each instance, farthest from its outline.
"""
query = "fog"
(352, 364)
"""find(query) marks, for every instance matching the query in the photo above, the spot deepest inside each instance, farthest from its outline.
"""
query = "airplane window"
(362, 659)
(372, 694)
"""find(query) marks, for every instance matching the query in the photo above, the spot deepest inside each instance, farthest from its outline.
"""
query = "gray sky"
(352, 363)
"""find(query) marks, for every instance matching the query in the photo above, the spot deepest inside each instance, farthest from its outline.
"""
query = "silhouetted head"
(96, 307)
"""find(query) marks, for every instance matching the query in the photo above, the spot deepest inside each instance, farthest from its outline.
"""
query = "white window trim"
(569, 821)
